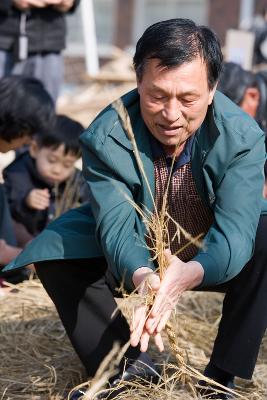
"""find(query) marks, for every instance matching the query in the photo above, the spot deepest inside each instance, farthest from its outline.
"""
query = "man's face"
(174, 101)
(14, 143)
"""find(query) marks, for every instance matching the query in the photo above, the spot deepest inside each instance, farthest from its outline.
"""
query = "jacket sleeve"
(229, 243)
(119, 229)
(17, 186)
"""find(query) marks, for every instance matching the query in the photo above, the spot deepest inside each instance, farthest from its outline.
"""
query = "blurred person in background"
(25, 109)
(43, 182)
(32, 37)
(249, 91)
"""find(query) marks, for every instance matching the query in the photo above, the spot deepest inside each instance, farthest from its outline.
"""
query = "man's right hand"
(38, 199)
(146, 282)
(27, 4)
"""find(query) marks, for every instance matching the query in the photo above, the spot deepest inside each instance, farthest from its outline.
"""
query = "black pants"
(83, 292)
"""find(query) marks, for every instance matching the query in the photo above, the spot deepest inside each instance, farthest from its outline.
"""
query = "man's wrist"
(140, 274)
(197, 272)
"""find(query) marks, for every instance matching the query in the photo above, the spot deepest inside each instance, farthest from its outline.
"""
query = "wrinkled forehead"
(191, 74)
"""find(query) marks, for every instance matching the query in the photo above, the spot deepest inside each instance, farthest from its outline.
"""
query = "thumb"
(168, 255)
(153, 281)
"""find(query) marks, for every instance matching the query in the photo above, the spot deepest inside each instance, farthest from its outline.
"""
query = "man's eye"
(188, 101)
(159, 97)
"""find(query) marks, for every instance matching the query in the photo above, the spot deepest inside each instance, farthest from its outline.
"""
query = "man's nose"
(171, 111)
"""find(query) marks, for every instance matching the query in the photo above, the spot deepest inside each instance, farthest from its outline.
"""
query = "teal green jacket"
(228, 156)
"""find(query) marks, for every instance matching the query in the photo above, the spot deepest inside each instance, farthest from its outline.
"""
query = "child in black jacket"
(43, 182)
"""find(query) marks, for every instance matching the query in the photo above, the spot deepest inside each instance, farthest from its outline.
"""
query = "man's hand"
(147, 283)
(179, 277)
(61, 5)
(27, 4)
(38, 199)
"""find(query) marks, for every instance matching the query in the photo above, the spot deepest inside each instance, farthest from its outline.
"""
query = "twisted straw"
(157, 225)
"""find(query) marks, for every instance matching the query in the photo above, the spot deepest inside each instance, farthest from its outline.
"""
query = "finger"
(39, 205)
(168, 255)
(163, 321)
(159, 342)
(45, 193)
(144, 341)
(139, 320)
(138, 313)
(37, 3)
(152, 323)
(153, 282)
(43, 202)
(41, 196)
(161, 304)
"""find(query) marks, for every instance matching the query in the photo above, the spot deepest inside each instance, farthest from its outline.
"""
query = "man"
(32, 37)
(216, 189)
(25, 108)
(246, 89)
(249, 91)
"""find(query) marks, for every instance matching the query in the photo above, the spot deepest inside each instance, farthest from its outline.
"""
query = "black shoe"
(77, 394)
(143, 376)
(209, 391)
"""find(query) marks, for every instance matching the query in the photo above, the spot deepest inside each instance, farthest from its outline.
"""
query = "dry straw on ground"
(37, 361)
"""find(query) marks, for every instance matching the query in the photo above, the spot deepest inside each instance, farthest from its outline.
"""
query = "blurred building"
(121, 22)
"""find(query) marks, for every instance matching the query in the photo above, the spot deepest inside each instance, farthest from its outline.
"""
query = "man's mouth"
(171, 130)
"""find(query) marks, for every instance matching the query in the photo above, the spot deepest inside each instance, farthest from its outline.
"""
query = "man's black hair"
(234, 81)
(64, 131)
(25, 107)
(178, 41)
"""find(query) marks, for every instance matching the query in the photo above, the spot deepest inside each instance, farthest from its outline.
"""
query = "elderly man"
(216, 189)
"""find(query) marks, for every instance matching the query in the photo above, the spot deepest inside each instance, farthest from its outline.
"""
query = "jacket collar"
(205, 138)
(132, 104)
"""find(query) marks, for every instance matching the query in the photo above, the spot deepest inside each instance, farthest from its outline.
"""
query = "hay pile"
(37, 361)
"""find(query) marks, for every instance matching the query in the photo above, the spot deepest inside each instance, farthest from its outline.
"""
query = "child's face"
(53, 165)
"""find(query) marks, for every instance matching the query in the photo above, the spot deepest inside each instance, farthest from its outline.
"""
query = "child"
(25, 108)
(43, 181)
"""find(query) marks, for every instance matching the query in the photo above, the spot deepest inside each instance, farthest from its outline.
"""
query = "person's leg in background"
(6, 63)
(47, 67)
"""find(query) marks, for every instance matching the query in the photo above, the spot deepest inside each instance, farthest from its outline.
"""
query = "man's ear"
(138, 85)
(251, 101)
(211, 93)
(33, 148)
